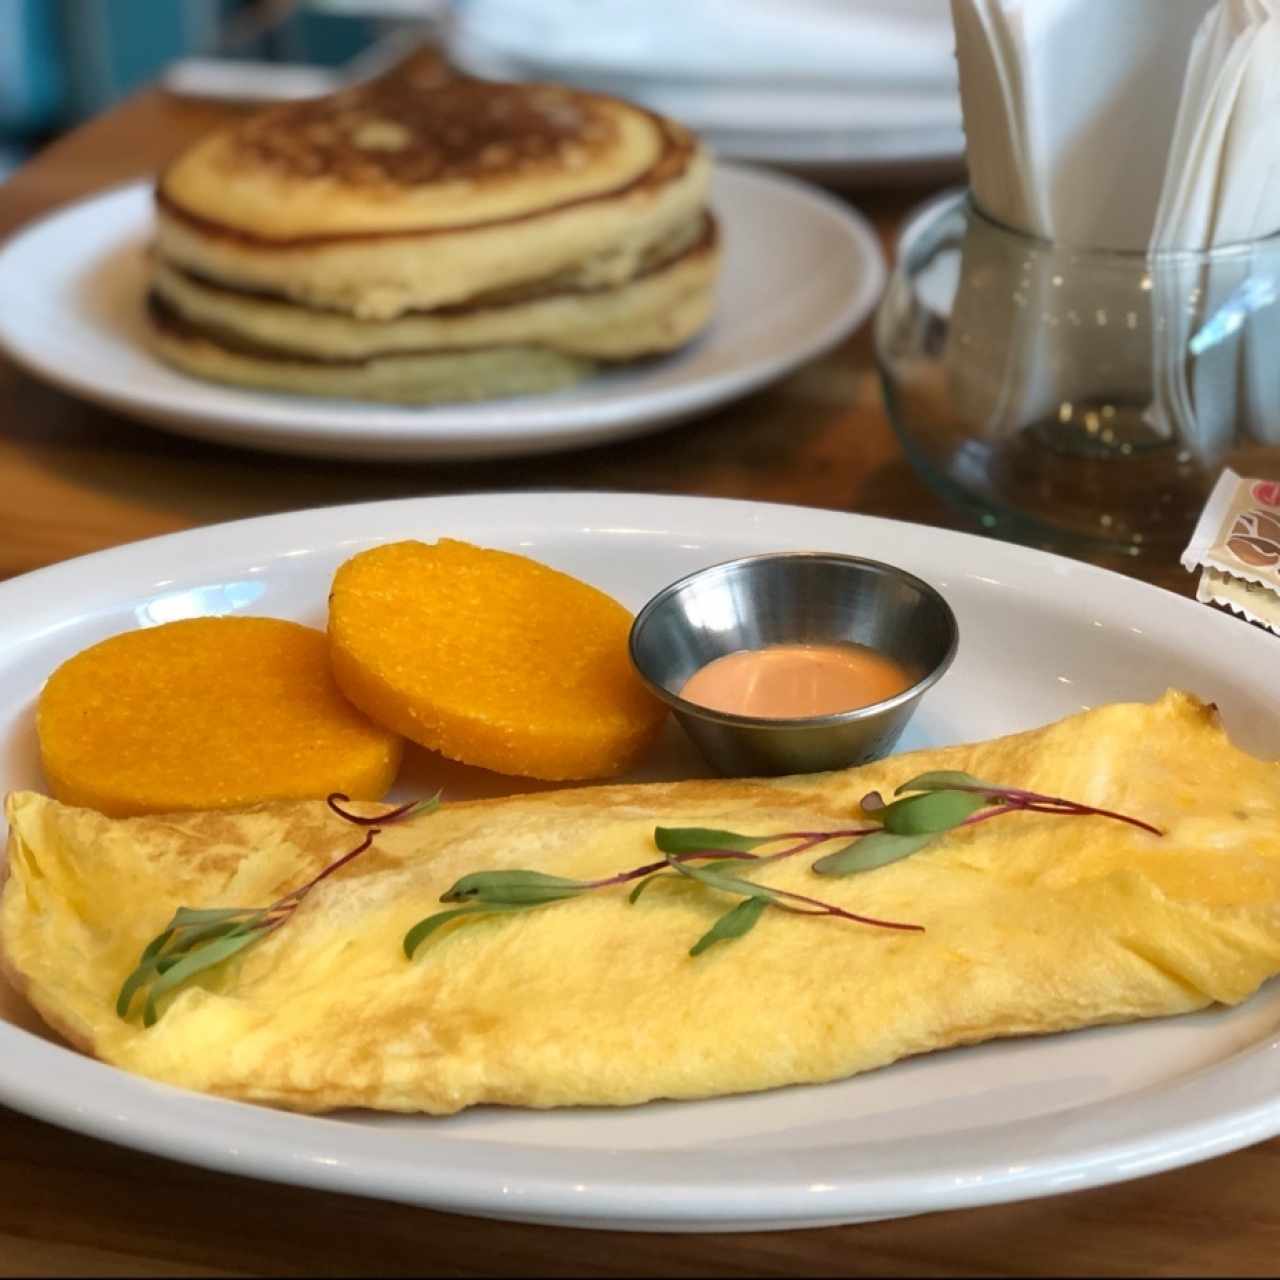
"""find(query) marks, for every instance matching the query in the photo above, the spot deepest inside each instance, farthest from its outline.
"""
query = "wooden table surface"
(74, 479)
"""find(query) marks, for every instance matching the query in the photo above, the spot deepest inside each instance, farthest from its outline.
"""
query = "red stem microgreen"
(412, 809)
(197, 940)
(926, 808)
(1015, 797)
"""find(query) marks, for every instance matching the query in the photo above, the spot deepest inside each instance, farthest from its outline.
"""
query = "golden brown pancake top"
(421, 128)
(426, 124)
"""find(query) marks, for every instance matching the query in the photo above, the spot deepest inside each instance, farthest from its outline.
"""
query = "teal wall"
(61, 60)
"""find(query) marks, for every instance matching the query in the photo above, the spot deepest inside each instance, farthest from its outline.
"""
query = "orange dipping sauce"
(786, 681)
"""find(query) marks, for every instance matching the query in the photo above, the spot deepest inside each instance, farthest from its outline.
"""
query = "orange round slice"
(490, 658)
(209, 713)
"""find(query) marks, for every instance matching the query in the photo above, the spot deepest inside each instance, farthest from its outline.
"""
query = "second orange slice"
(490, 658)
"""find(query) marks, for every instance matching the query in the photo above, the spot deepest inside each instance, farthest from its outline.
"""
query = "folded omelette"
(1032, 923)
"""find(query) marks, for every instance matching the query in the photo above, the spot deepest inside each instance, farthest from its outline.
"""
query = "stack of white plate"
(842, 89)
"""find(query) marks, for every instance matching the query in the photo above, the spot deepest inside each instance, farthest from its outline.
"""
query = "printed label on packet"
(1236, 545)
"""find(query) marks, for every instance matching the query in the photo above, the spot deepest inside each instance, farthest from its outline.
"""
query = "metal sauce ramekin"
(802, 597)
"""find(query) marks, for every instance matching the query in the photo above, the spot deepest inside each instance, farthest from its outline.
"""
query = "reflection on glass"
(1078, 398)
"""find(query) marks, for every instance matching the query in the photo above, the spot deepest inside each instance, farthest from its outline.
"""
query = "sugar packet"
(1236, 547)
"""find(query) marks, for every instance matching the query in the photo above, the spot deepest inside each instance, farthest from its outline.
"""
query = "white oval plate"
(801, 270)
(1040, 637)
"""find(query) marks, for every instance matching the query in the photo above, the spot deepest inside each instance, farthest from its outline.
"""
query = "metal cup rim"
(911, 694)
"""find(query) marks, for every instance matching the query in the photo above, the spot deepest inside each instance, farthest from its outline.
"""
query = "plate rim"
(987, 546)
(658, 1203)
(521, 426)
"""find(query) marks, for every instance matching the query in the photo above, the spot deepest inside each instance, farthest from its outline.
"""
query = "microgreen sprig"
(935, 803)
(196, 940)
(925, 808)
(338, 800)
(682, 848)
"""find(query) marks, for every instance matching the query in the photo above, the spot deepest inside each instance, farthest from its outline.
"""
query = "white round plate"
(1041, 637)
(856, 133)
(799, 105)
(801, 270)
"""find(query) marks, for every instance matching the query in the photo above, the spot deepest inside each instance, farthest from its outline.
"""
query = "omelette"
(1032, 923)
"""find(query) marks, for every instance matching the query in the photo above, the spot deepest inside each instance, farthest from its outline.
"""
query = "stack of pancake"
(428, 236)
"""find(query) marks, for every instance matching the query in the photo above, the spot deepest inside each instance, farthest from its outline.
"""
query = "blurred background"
(63, 60)
(845, 91)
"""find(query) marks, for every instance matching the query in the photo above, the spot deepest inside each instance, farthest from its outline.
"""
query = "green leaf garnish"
(490, 891)
(784, 899)
(147, 969)
(1015, 799)
(871, 852)
(200, 958)
(699, 839)
(930, 812)
(191, 942)
(634, 896)
(187, 916)
(733, 924)
(427, 926)
(715, 878)
(198, 938)
(513, 888)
